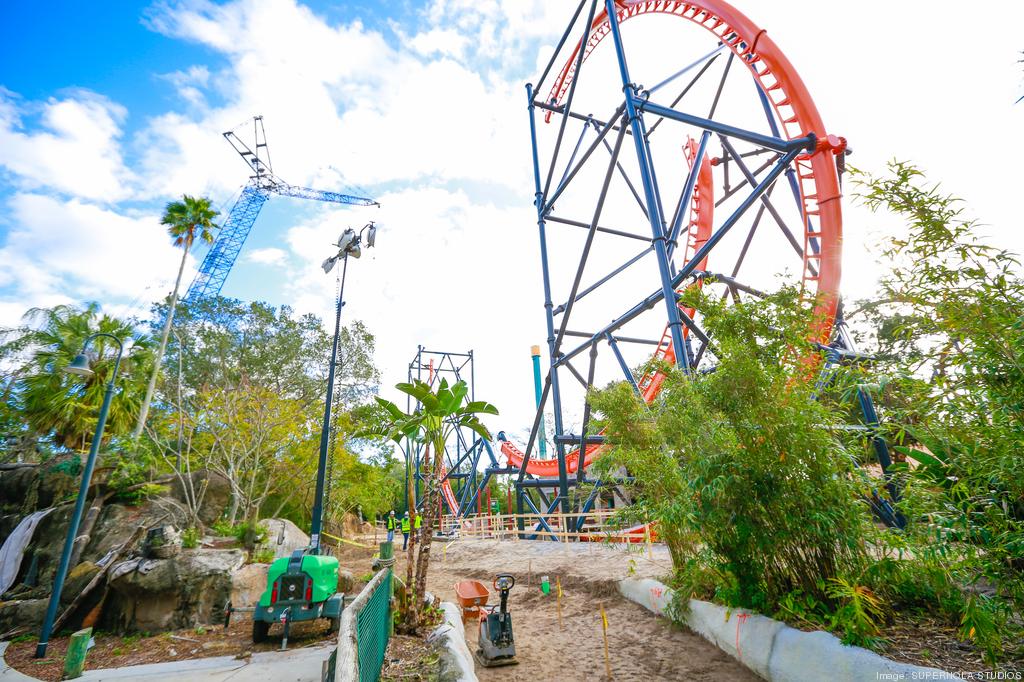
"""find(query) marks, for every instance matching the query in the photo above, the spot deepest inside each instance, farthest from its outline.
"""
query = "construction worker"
(419, 520)
(405, 531)
(390, 524)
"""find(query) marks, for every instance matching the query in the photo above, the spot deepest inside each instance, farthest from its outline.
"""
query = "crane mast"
(235, 230)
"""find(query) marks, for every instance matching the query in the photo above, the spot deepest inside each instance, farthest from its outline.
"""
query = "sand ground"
(640, 645)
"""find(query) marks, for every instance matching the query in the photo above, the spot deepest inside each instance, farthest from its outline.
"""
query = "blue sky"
(108, 110)
(108, 47)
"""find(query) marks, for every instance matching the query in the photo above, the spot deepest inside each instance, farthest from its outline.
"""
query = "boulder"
(284, 537)
(14, 487)
(47, 544)
(248, 584)
(22, 613)
(78, 578)
(166, 594)
(162, 542)
(27, 489)
(346, 581)
(214, 491)
(352, 526)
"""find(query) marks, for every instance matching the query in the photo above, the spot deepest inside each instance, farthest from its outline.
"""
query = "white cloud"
(67, 249)
(190, 84)
(448, 272)
(75, 148)
(432, 121)
(446, 42)
(267, 256)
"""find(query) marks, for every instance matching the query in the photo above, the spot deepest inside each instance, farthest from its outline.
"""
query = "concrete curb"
(773, 650)
(456, 661)
(7, 673)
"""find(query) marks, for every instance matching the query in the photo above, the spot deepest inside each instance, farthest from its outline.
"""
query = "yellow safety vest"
(405, 524)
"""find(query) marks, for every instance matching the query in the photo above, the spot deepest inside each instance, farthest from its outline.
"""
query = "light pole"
(79, 366)
(349, 244)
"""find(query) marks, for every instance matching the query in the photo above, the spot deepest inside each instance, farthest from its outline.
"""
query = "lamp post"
(349, 244)
(79, 366)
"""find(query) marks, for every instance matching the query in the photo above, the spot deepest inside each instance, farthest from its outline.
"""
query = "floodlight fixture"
(346, 239)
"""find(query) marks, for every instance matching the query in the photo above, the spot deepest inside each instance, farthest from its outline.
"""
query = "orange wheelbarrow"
(472, 594)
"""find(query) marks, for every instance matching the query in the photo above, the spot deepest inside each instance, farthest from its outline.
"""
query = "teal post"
(541, 440)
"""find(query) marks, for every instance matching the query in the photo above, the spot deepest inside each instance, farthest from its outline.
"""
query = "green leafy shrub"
(949, 332)
(248, 533)
(190, 538)
(740, 462)
(223, 529)
(859, 614)
(129, 471)
(261, 555)
(139, 495)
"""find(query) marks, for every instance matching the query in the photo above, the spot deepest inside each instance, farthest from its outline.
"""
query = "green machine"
(300, 587)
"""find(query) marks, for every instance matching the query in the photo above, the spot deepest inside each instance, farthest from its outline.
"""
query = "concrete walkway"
(295, 665)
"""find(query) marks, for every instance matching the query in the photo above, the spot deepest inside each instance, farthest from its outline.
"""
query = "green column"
(535, 353)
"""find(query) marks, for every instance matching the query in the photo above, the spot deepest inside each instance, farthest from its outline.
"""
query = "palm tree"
(439, 415)
(185, 220)
(59, 406)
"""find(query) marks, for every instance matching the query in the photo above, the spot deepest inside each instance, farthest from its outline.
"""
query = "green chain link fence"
(372, 630)
(366, 627)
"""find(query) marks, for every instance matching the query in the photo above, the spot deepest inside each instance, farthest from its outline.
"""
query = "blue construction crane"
(234, 231)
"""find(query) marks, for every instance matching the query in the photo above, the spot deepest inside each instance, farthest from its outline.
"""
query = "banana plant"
(438, 415)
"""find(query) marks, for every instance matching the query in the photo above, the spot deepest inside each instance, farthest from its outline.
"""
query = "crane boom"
(286, 190)
(235, 230)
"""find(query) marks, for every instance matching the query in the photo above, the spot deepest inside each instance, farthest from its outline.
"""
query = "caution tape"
(347, 542)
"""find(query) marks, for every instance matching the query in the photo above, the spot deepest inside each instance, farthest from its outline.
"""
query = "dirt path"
(641, 646)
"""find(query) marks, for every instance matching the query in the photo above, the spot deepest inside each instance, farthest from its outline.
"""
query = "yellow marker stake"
(558, 585)
(604, 631)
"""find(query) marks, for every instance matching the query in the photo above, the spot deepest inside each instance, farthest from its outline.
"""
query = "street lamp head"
(79, 366)
(328, 264)
(371, 235)
(355, 251)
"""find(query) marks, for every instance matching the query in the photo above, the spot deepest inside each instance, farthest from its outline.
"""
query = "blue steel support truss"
(670, 271)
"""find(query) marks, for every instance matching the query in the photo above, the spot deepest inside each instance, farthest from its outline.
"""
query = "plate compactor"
(496, 644)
